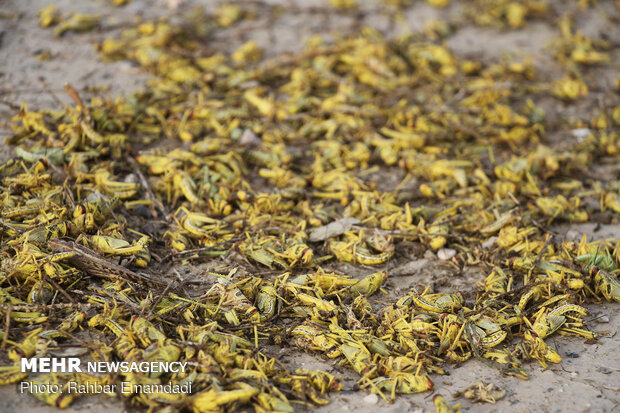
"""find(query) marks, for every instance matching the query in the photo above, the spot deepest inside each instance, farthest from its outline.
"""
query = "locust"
(281, 203)
(92, 263)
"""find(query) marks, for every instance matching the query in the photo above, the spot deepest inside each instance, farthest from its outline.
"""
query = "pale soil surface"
(588, 379)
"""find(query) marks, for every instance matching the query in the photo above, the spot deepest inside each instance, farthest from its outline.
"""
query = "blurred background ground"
(587, 379)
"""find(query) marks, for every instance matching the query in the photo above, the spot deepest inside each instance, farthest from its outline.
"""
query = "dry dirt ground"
(588, 380)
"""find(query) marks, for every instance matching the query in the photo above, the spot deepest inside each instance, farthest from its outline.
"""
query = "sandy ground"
(588, 380)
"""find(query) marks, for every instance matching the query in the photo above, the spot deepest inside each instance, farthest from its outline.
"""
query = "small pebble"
(574, 374)
(148, 228)
(580, 133)
(131, 178)
(489, 242)
(249, 84)
(249, 138)
(429, 254)
(592, 204)
(572, 355)
(143, 211)
(603, 319)
(371, 399)
(573, 235)
(446, 253)
(94, 196)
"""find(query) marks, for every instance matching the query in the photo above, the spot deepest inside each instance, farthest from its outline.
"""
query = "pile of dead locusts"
(260, 176)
